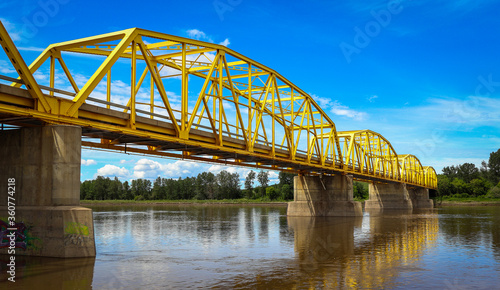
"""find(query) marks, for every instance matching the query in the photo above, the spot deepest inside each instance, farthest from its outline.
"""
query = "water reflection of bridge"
(345, 252)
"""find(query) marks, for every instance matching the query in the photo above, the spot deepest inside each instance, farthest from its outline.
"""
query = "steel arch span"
(165, 95)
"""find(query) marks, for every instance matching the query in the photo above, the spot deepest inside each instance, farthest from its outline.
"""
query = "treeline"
(206, 185)
(466, 180)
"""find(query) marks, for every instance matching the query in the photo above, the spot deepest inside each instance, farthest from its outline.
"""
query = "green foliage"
(444, 185)
(249, 180)
(286, 178)
(263, 178)
(460, 186)
(466, 172)
(360, 190)
(287, 192)
(228, 184)
(494, 166)
(271, 193)
(206, 186)
(494, 192)
(466, 180)
(479, 186)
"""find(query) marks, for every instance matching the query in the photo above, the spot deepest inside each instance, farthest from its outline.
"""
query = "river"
(259, 247)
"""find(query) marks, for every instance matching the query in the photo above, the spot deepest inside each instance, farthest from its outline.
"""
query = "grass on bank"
(469, 199)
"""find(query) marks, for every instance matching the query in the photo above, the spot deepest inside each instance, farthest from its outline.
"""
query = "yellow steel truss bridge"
(159, 94)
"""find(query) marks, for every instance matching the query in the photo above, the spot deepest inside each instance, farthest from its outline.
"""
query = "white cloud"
(338, 109)
(147, 168)
(112, 170)
(372, 98)
(6, 67)
(198, 34)
(88, 162)
(11, 29)
(225, 42)
(30, 48)
(341, 110)
(323, 102)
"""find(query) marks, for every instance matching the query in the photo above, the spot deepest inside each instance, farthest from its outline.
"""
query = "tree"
(263, 178)
(467, 172)
(141, 188)
(205, 185)
(286, 178)
(444, 185)
(101, 186)
(87, 190)
(271, 192)
(158, 189)
(494, 166)
(286, 192)
(114, 189)
(484, 171)
(360, 190)
(460, 186)
(127, 193)
(249, 180)
(479, 186)
(450, 171)
(229, 186)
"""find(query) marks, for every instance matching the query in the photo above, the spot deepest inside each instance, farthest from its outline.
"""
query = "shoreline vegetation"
(241, 201)
(463, 184)
(252, 202)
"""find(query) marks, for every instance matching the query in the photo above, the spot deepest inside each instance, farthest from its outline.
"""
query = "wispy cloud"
(6, 68)
(199, 35)
(88, 162)
(112, 170)
(225, 42)
(14, 33)
(30, 48)
(372, 98)
(338, 109)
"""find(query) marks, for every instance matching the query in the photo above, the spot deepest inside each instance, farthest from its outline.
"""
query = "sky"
(424, 74)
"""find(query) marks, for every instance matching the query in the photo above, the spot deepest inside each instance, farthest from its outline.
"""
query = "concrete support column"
(388, 196)
(324, 196)
(44, 163)
(420, 198)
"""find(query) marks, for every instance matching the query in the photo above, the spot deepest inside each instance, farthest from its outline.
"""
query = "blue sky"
(424, 74)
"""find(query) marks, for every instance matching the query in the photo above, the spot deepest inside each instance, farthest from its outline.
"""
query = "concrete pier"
(388, 196)
(324, 196)
(420, 198)
(41, 168)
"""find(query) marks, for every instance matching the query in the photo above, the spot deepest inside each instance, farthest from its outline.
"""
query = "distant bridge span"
(164, 95)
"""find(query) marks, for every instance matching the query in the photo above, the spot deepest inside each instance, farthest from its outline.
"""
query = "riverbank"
(445, 203)
(242, 201)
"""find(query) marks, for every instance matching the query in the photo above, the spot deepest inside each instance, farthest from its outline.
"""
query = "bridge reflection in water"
(352, 252)
(240, 247)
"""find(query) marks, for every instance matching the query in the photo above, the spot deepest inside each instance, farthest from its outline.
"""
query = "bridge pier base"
(324, 196)
(40, 173)
(388, 196)
(420, 198)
